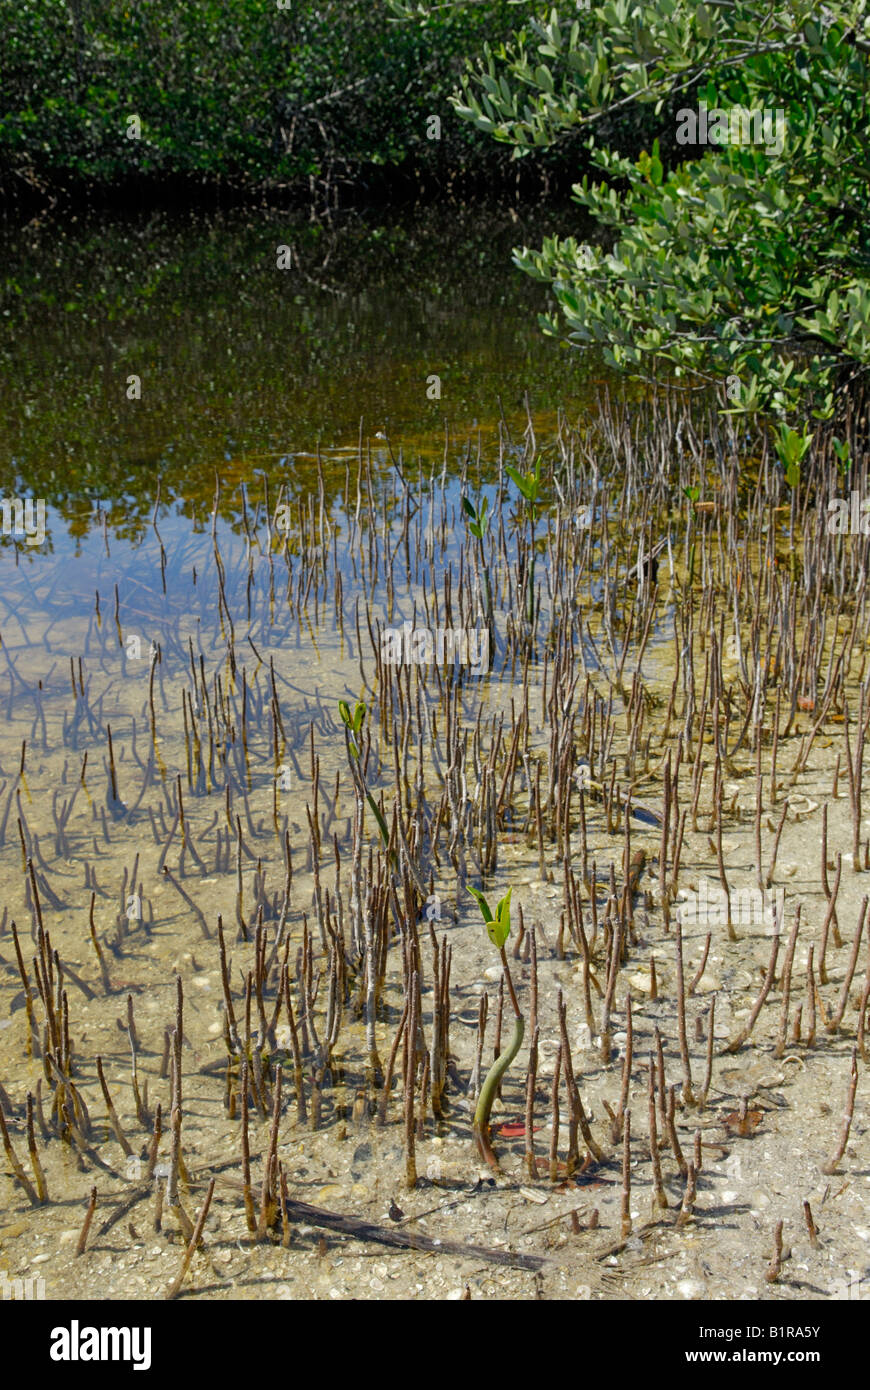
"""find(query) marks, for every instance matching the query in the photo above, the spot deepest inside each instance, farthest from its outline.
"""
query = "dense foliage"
(743, 259)
(233, 89)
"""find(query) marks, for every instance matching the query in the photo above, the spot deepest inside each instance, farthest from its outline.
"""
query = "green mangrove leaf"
(353, 723)
(500, 929)
(524, 483)
(382, 824)
(843, 452)
(482, 903)
(497, 933)
(791, 448)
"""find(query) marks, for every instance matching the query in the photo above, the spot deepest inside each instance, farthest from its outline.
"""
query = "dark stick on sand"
(360, 1229)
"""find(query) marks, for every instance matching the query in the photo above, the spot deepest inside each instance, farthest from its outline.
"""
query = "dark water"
(246, 367)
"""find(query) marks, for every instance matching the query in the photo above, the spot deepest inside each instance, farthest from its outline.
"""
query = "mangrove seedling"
(529, 485)
(478, 524)
(843, 453)
(353, 725)
(498, 927)
(791, 448)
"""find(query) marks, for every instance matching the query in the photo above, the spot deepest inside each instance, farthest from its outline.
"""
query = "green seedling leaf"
(482, 903)
(353, 723)
(497, 934)
(529, 484)
(500, 929)
(524, 483)
(791, 448)
(843, 453)
(478, 523)
(382, 824)
(693, 493)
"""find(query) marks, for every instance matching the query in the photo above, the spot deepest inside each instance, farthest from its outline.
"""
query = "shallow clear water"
(260, 378)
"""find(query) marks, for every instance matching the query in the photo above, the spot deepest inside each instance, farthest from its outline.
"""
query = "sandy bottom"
(351, 1165)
